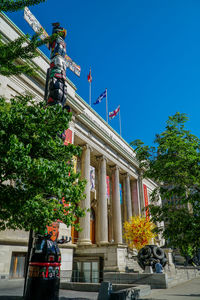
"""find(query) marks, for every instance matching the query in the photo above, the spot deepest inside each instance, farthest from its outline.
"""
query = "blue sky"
(145, 52)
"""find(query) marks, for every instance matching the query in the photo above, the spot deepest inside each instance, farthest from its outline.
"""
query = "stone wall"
(114, 255)
(156, 281)
(6, 254)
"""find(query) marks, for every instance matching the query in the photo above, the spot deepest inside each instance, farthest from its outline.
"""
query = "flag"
(113, 113)
(89, 77)
(99, 99)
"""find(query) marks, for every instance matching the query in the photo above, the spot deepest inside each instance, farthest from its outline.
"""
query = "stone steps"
(144, 290)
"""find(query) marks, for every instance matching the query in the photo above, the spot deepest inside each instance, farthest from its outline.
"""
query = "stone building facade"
(115, 189)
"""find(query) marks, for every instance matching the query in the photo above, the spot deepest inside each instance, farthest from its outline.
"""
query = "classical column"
(117, 223)
(128, 196)
(141, 194)
(135, 198)
(103, 210)
(84, 235)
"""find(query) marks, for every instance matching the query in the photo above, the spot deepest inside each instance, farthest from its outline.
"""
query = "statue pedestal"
(148, 269)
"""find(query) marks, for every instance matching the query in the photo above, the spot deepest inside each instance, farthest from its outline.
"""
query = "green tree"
(175, 164)
(15, 56)
(36, 170)
(14, 5)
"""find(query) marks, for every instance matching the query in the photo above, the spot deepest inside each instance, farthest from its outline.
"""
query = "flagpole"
(90, 93)
(120, 127)
(106, 107)
(90, 83)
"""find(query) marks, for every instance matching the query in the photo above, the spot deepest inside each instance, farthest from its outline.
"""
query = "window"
(86, 271)
(17, 265)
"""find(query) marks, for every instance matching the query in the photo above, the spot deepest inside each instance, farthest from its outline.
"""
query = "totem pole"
(56, 83)
(42, 278)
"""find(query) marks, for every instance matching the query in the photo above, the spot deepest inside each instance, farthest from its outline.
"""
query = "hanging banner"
(120, 193)
(68, 137)
(74, 159)
(146, 200)
(108, 187)
(92, 178)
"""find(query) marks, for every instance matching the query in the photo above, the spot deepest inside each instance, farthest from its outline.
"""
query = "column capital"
(140, 173)
(126, 175)
(114, 168)
(86, 146)
(101, 157)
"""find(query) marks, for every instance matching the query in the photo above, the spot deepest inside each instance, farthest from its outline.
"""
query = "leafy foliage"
(15, 55)
(22, 48)
(138, 232)
(38, 165)
(175, 164)
(14, 5)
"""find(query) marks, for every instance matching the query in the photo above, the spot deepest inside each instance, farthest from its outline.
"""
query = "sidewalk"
(185, 291)
(13, 290)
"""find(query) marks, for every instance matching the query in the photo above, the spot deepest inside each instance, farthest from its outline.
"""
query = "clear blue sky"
(145, 52)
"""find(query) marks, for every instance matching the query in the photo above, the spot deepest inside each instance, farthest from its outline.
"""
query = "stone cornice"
(77, 107)
(17, 242)
(101, 132)
(105, 123)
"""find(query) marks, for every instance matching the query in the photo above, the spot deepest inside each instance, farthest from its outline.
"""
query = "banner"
(146, 200)
(68, 137)
(108, 187)
(92, 178)
(74, 160)
(120, 193)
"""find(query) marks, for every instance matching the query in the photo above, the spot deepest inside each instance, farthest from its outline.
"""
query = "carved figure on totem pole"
(56, 83)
